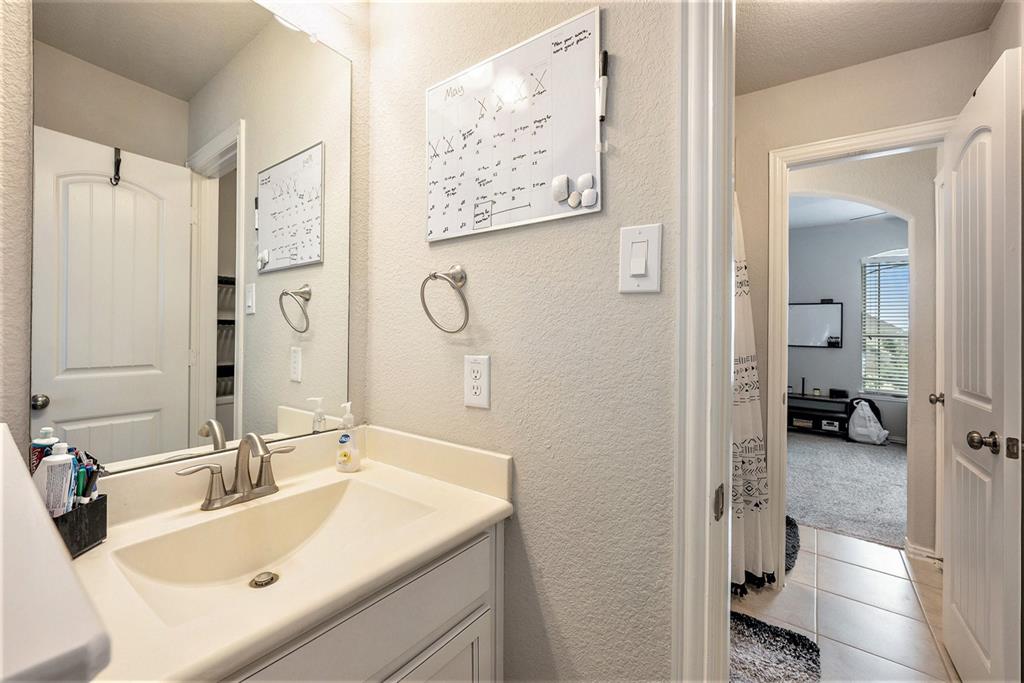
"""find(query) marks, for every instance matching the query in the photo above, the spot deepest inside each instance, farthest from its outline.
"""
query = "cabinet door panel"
(463, 655)
(366, 642)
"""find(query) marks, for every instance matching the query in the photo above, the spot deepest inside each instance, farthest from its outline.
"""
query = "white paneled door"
(980, 195)
(110, 298)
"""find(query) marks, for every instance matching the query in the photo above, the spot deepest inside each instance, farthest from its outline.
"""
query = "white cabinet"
(466, 653)
(441, 622)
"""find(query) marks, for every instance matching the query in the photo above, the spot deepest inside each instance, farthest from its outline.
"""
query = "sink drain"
(263, 579)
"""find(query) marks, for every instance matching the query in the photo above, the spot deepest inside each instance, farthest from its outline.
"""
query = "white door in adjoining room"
(110, 286)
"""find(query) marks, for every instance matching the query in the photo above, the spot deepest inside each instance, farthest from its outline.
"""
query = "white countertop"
(50, 629)
(219, 640)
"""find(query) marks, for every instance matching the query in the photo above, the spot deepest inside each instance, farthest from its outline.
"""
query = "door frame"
(224, 153)
(703, 453)
(780, 163)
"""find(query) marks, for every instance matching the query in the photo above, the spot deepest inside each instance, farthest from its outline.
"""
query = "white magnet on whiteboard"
(589, 197)
(585, 182)
(575, 198)
(560, 188)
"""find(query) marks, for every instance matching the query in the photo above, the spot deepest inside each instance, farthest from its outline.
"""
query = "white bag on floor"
(864, 426)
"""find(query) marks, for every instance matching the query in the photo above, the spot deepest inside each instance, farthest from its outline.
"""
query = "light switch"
(250, 299)
(640, 259)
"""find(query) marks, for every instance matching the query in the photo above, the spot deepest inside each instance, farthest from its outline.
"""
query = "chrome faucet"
(242, 489)
(215, 429)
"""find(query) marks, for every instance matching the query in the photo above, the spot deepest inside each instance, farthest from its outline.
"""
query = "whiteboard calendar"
(291, 210)
(515, 139)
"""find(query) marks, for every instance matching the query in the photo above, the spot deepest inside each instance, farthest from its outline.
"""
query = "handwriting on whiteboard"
(291, 209)
(499, 132)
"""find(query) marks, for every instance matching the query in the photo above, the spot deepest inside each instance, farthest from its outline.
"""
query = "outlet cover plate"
(477, 381)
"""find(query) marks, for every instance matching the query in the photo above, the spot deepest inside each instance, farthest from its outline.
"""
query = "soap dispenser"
(348, 458)
(319, 419)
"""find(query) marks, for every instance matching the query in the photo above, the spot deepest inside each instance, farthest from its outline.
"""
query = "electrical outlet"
(295, 370)
(477, 381)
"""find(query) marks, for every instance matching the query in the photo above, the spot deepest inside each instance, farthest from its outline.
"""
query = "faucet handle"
(265, 477)
(215, 490)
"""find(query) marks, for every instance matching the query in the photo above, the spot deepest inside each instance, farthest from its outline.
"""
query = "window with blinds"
(885, 323)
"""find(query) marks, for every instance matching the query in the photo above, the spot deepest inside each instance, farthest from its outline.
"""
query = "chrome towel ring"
(456, 277)
(301, 296)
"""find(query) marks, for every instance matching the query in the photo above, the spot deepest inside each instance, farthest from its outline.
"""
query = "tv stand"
(817, 414)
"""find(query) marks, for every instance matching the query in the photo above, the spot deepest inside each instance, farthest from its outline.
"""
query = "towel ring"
(456, 277)
(301, 296)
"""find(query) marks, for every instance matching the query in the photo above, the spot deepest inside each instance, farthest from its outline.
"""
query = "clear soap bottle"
(349, 458)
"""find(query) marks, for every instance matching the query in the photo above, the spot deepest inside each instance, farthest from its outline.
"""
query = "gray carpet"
(760, 652)
(849, 488)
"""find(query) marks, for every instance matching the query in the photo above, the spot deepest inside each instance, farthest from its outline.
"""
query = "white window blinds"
(885, 323)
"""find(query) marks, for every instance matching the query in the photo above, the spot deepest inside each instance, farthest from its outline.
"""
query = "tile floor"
(875, 613)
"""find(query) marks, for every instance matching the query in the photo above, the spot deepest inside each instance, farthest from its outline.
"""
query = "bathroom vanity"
(232, 244)
(390, 573)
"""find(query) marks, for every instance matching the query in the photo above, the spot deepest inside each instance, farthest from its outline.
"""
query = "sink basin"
(178, 573)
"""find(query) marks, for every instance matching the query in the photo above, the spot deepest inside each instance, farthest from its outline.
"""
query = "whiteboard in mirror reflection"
(500, 132)
(816, 325)
(290, 209)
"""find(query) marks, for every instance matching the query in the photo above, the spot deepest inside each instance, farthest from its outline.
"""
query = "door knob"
(933, 399)
(975, 440)
(39, 401)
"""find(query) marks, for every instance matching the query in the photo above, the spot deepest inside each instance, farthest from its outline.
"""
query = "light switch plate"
(631, 246)
(295, 368)
(477, 381)
(250, 299)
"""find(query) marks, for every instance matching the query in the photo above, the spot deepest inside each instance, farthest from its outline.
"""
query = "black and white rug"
(850, 488)
(792, 543)
(760, 653)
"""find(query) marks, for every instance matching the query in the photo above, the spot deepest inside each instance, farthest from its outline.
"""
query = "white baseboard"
(920, 551)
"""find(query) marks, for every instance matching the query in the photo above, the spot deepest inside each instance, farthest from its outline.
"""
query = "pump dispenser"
(348, 457)
(319, 419)
(347, 419)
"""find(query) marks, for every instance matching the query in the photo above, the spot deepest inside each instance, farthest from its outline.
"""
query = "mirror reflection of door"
(141, 335)
(110, 315)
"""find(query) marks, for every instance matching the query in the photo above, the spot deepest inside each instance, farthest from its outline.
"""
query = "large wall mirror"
(158, 281)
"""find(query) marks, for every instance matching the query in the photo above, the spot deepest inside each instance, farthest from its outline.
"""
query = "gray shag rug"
(760, 652)
(850, 488)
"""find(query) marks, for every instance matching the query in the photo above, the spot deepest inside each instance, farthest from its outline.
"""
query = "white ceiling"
(807, 211)
(174, 47)
(782, 41)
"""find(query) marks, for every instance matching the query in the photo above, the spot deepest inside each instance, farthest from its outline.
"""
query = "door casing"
(781, 162)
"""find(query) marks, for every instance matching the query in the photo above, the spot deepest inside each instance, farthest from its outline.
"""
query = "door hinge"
(719, 502)
(1013, 449)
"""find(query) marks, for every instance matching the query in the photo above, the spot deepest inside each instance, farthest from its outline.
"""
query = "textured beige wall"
(15, 214)
(902, 183)
(81, 99)
(893, 91)
(292, 94)
(1007, 30)
(582, 389)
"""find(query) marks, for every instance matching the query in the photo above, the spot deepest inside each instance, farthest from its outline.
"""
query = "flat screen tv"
(817, 325)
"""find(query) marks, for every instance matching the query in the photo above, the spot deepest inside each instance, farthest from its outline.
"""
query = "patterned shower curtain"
(753, 560)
